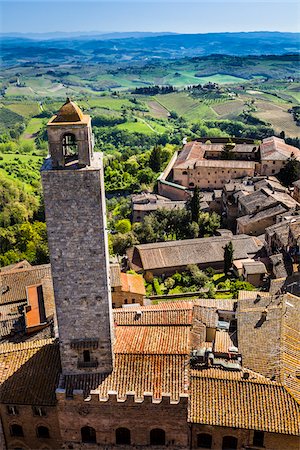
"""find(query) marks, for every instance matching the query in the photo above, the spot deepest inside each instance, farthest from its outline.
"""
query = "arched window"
(42, 432)
(157, 437)
(69, 145)
(184, 172)
(204, 440)
(86, 356)
(88, 435)
(16, 430)
(122, 436)
(191, 184)
(229, 443)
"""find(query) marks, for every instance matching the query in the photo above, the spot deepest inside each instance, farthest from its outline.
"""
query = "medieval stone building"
(171, 374)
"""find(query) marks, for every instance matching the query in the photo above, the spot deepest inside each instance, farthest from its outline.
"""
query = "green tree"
(227, 152)
(123, 226)
(228, 257)
(193, 204)
(290, 172)
(155, 159)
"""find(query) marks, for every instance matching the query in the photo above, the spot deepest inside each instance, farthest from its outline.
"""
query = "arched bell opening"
(69, 147)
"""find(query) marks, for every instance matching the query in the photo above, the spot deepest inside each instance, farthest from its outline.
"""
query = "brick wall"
(139, 417)
(29, 423)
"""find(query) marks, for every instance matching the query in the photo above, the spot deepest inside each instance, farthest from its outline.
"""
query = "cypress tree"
(228, 257)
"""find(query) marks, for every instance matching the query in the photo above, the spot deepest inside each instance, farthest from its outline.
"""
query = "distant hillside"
(138, 47)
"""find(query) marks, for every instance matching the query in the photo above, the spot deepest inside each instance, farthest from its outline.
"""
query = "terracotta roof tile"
(145, 315)
(235, 403)
(138, 374)
(274, 148)
(13, 283)
(133, 283)
(192, 251)
(222, 342)
(29, 372)
(166, 340)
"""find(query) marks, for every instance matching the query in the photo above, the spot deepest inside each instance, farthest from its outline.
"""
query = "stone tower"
(73, 187)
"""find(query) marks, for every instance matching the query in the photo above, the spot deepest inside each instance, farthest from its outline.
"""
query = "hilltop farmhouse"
(208, 373)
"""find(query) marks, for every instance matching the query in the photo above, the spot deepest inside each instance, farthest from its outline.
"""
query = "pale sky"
(196, 16)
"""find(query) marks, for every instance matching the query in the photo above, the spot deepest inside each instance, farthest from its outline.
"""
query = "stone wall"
(76, 226)
(120, 298)
(139, 416)
(210, 177)
(272, 441)
(29, 423)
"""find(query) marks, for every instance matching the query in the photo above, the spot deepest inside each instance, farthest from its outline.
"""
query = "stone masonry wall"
(75, 214)
(29, 423)
(139, 417)
(272, 441)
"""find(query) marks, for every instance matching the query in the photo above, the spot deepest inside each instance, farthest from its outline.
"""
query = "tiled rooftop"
(192, 251)
(13, 283)
(29, 372)
(225, 399)
(177, 316)
(274, 148)
(152, 340)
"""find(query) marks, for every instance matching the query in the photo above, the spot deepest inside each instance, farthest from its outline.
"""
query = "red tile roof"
(180, 314)
(29, 372)
(227, 400)
(164, 340)
(133, 283)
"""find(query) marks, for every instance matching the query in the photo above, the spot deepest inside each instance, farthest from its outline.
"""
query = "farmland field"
(278, 117)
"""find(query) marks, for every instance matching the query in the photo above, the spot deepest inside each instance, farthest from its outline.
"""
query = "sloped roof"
(177, 315)
(168, 340)
(19, 265)
(29, 372)
(69, 112)
(275, 149)
(115, 275)
(140, 374)
(192, 251)
(132, 282)
(13, 283)
(226, 399)
(264, 214)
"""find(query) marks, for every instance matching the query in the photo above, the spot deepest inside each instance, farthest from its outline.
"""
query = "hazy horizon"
(157, 16)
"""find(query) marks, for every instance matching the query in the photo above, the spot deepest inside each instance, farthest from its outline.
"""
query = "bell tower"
(73, 186)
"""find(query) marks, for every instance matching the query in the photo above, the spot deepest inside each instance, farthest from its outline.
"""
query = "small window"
(16, 430)
(38, 411)
(157, 437)
(273, 162)
(88, 435)
(184, 172)
(125, 301)
(42, 432)
(229, 443)
(123, 436)
(258, 438)
(12, 410)
(86, 356)
(204, 440)
(133, 300)
(113, 305)
(273, 170)
(191, 184)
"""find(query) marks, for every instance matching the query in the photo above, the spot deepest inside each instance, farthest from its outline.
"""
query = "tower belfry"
(73, 186)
